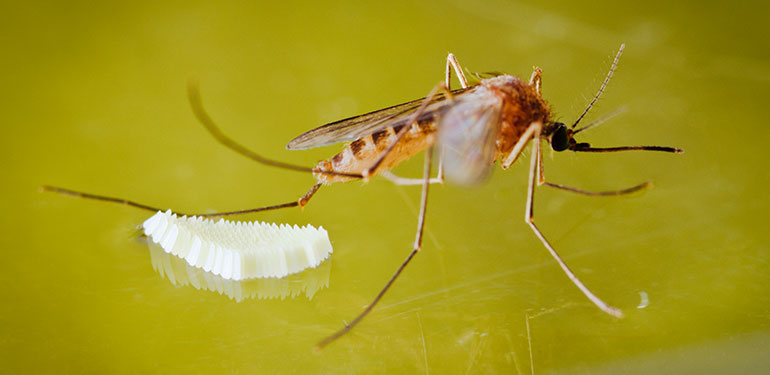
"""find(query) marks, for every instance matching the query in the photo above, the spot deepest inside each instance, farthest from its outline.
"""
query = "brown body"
(522, 105)
(360, 154)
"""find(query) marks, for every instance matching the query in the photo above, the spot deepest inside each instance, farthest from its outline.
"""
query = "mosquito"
(473, 127)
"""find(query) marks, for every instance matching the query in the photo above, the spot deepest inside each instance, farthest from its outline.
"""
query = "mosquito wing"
(467, 134)
(363, 125)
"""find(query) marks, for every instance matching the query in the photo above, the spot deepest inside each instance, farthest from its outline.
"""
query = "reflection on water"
(179, 273)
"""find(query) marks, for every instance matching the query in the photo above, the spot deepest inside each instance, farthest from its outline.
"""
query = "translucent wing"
(362, 125)
(467, 134)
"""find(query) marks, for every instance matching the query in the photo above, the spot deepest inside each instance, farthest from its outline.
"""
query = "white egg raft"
(237, 250)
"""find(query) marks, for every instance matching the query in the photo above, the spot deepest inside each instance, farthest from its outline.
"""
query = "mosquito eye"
(560, 139)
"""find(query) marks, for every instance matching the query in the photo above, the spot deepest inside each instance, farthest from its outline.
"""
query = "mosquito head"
(560, 136)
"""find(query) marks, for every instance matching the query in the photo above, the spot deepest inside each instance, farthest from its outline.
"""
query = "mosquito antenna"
(193, 92)
(130, 203)
(602, 119)
(604, 85)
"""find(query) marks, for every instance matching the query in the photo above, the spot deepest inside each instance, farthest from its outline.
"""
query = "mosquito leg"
(536, 79)
(246, 211)
(541, 181)
(73, 193)
(608, 193)
(404, 181)
(529, 219)
(409, 124)
(300, 202)
(440, 174)
(194, 95)
(540, 168)
(451, 61)
(519, 147)
(417, 246)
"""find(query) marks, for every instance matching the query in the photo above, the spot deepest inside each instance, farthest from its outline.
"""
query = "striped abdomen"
(362, 153)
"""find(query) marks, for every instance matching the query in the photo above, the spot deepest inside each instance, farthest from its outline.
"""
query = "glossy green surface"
(94, 99)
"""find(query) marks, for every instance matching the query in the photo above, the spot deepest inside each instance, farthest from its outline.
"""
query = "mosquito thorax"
(521, 106)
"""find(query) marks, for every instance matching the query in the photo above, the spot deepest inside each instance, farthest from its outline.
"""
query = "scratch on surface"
(456, 286)
(528, 317)
(445, 290)
(484, 279)
(424, 346)
(477, 347)
(529, 345)
(396, 315)
(585, 218)
(512, 352)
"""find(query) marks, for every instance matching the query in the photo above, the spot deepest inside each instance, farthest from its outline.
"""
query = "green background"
(94, 99)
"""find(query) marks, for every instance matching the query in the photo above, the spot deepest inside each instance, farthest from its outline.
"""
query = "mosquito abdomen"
(362, 153)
